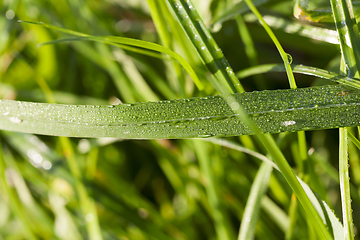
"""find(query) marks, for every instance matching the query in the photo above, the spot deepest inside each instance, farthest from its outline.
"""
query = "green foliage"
(211, 188)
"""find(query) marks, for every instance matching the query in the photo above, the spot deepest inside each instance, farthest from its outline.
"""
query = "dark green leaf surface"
(273, 111)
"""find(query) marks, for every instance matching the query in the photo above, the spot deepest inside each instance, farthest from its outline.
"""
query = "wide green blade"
(273, 111)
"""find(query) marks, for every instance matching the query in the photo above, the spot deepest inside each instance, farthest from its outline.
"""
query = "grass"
(211, 188)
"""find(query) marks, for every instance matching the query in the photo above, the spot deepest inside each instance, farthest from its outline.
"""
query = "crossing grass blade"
(348, 33)
(205, 45)
(322, 208)
(130, 42)
(307, 70)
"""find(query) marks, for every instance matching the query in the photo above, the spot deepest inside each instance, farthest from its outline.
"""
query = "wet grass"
(71, 188)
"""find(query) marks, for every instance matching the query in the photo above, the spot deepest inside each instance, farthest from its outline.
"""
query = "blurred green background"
(58, 188)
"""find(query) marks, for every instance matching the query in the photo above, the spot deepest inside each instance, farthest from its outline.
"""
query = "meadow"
(174, 119)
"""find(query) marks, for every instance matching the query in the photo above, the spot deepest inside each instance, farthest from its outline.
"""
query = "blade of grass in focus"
(187, 16)
(309, 109)
(87, 205)
(348, 34)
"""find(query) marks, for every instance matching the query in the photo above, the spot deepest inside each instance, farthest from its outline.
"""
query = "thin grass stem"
(345, 184)
(285, 57)
(249, 49)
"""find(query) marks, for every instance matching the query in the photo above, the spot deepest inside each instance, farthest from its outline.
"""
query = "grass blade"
(205, 45)
(250, 50)
(291, 110)
(129, 42)
(15, 202)
(258, 189)
(345, 184)
(283, 54)
(220, 222)
(125, 47)
(307, 70)
(348, 34)
(337, 229)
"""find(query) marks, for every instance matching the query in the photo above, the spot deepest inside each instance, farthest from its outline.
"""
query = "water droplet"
(10, 14)
(143, 213)
(289, 123)
(348, 70)
(89, 217)
(46, 165)
(313, 106)
(34, 156)
(289, 58)
(235, 106)
(15, 120)
(84, 146)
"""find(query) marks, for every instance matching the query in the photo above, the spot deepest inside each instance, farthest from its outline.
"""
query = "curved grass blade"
(210, 53)
(130, 42)
(158, 11)
(283, 54)
(312, 71)
(125, 47)
(273, 111)
(348, 33)
(321, 207)
(287, 59)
